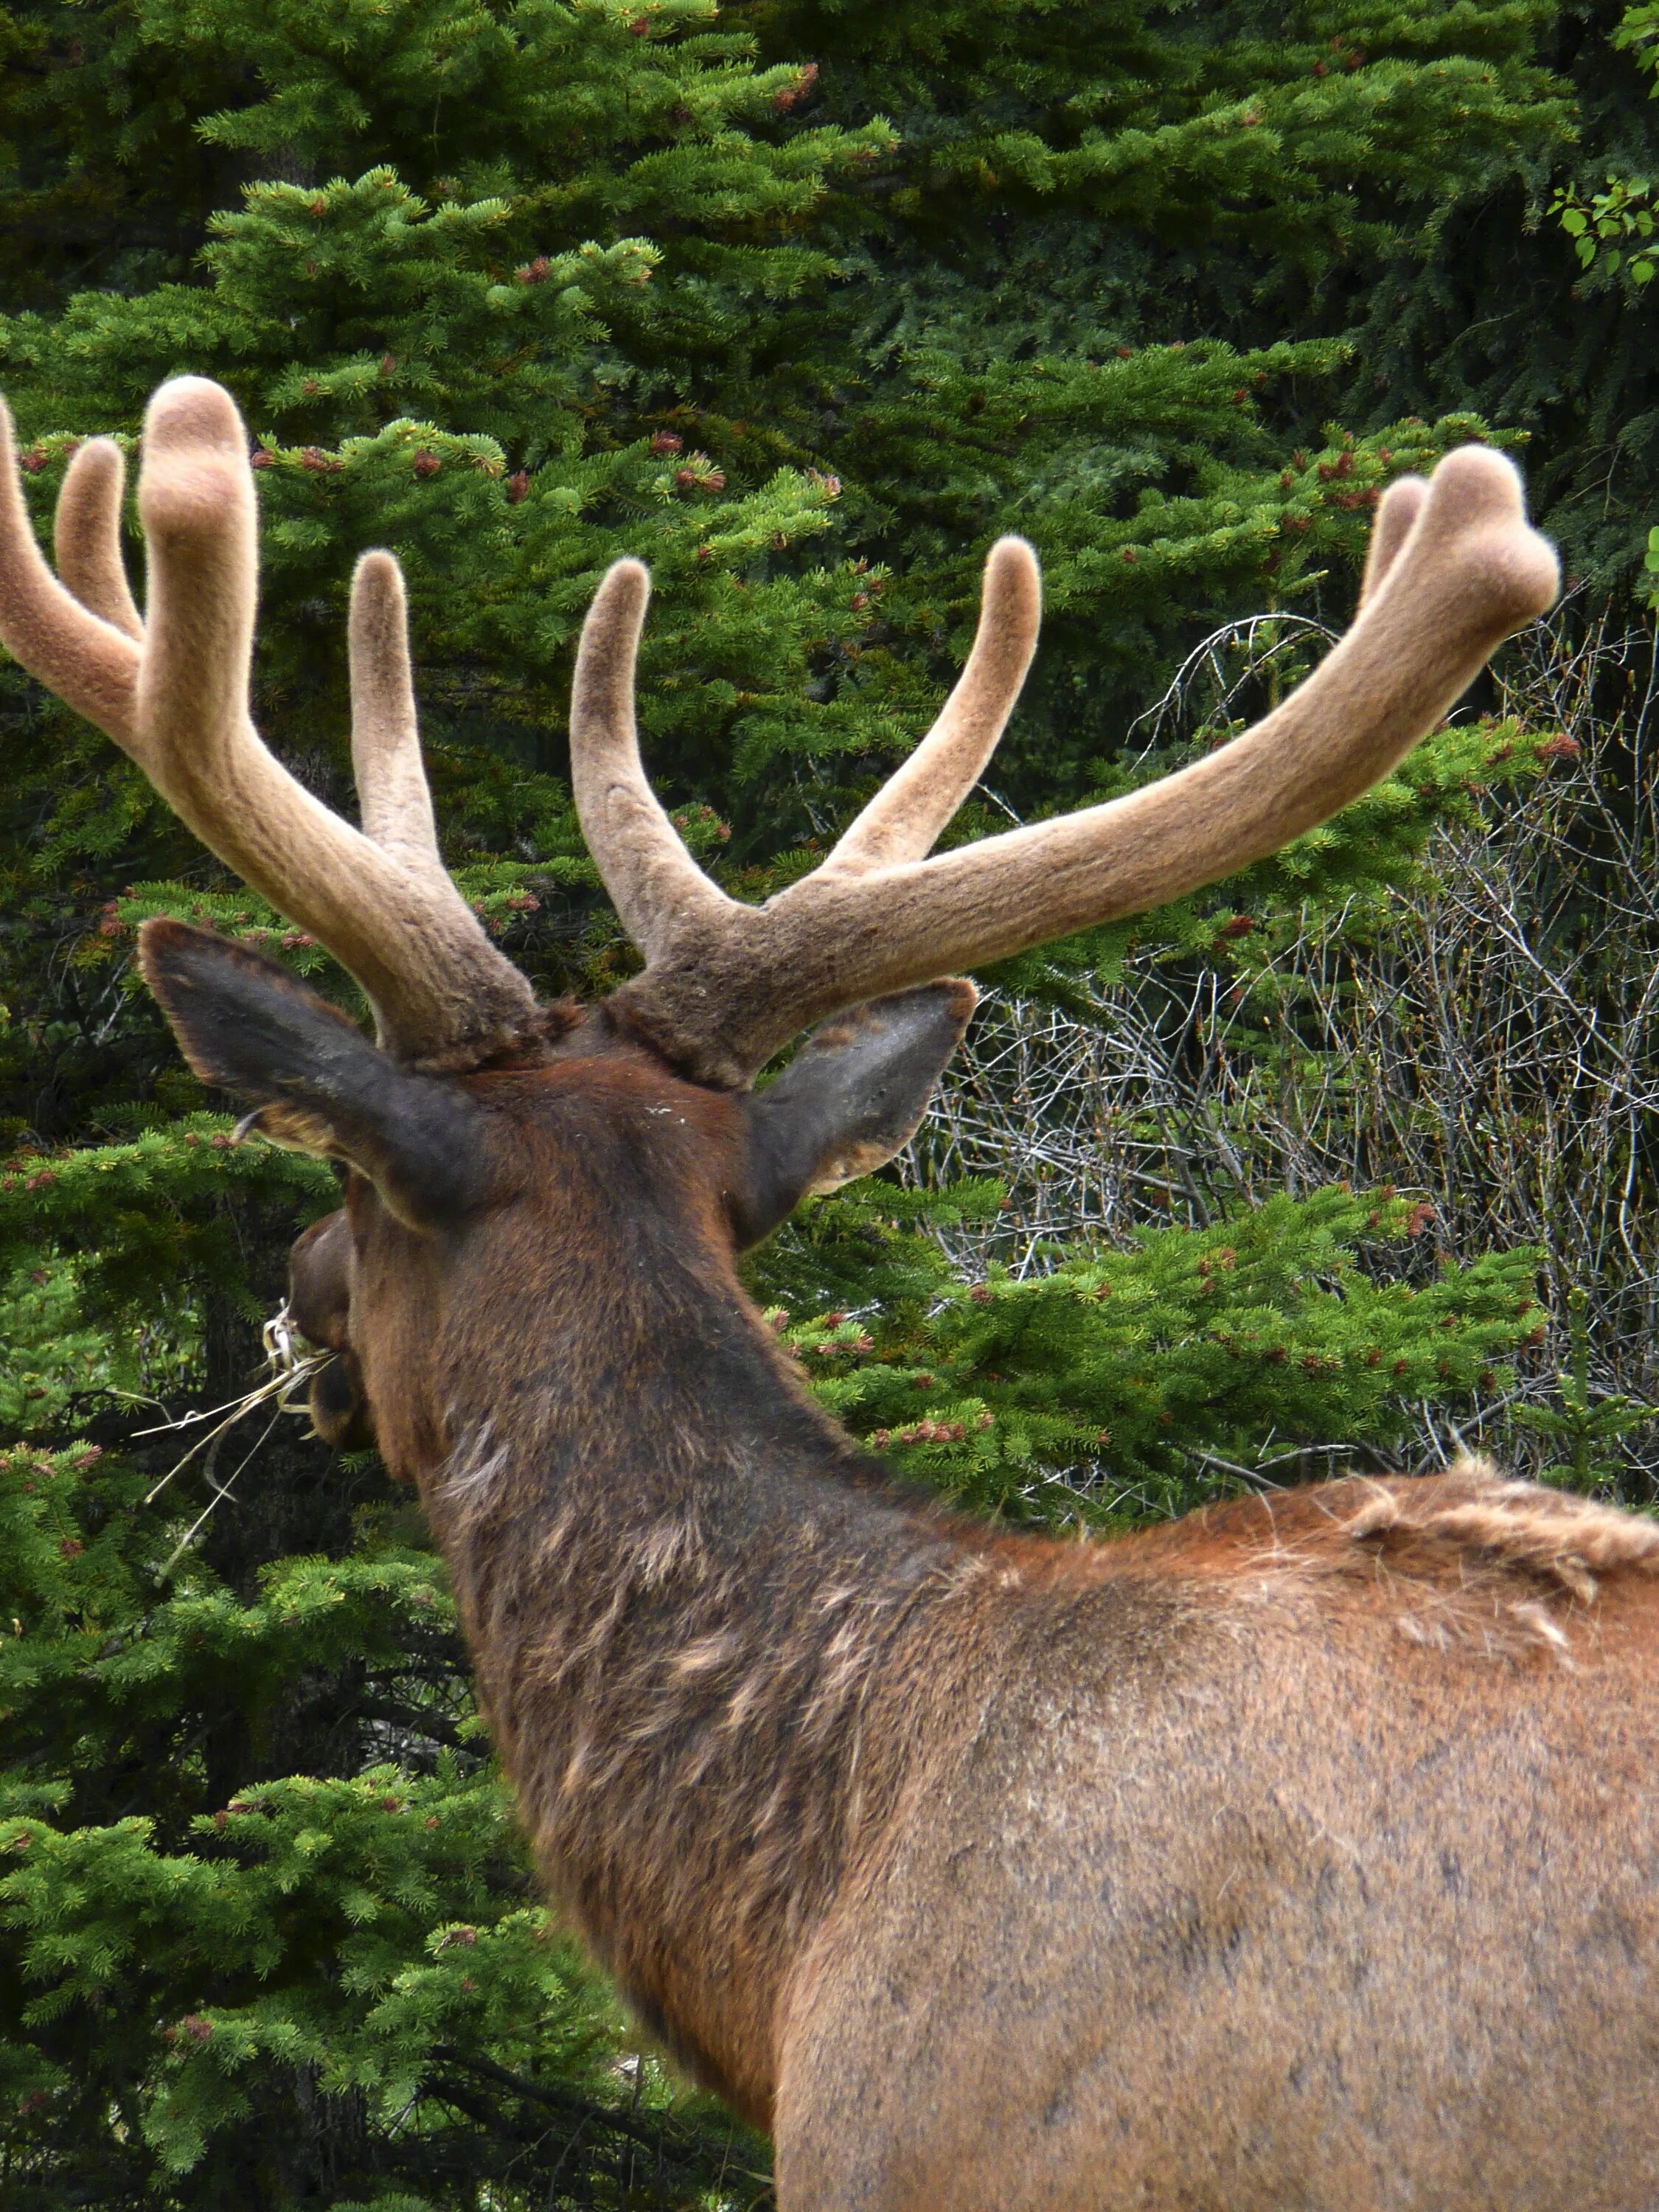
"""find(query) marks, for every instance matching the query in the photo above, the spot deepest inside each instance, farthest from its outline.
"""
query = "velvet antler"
(1454, 569)
(172, 689)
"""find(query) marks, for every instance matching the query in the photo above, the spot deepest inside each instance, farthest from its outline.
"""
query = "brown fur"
(1300, 1854)
(1302, 1857)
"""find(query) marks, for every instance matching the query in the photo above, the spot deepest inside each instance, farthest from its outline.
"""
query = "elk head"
(483, 1128)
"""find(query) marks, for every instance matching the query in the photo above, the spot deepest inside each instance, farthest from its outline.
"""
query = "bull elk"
(1300, 1857)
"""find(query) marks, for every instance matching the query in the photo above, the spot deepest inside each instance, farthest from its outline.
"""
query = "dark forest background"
(1344, 1163)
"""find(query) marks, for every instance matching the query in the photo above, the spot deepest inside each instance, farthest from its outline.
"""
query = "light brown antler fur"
(86, 536)
(172, 691)
(906, 817)
(658, 888)
(1454, 569)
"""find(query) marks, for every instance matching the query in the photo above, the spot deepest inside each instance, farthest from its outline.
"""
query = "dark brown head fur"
(676, 1574)
(832, 1782)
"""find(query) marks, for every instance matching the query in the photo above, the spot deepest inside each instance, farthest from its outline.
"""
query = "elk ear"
(851, 1097)
(317, 1084)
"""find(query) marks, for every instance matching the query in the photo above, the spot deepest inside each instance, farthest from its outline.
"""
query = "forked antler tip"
(1523, 574)
(1469, 521)
(1396, 513)
(1477, 483)
(1401, 502)
(1477, 498)
(45, 627)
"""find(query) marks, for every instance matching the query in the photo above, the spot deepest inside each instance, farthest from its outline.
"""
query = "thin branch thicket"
(1491, 1048)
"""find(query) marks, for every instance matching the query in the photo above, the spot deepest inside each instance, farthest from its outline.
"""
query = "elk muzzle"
(319, 1268)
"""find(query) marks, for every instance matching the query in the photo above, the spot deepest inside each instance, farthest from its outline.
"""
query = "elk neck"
(693, 1606)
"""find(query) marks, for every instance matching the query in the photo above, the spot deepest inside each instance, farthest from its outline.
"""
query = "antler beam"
(1454, 570)
(172, 691)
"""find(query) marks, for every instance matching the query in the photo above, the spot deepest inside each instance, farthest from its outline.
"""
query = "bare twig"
(1494, 1048)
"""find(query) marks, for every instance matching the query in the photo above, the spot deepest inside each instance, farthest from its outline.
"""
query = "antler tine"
(443, 995)
(385, 740)
(918, 800)
(91, 667)
(1467, 573)
(656, 888)
(1402, 504)
(86, 535)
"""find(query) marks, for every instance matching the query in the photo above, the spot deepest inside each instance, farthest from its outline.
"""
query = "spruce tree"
(803, 305)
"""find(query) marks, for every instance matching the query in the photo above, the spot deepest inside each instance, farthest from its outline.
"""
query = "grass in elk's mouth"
(289, 1368)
